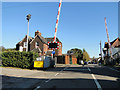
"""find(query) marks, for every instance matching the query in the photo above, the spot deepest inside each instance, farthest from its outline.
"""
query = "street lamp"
(28, 18)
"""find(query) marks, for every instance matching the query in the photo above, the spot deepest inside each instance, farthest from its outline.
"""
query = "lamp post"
(101, 51)
(28, 18)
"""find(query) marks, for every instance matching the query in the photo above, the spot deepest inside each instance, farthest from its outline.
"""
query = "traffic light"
(53, 45)
(28, 17)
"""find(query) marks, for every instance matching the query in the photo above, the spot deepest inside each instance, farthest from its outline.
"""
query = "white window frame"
(25, 45)
(36, 44)
(20, 48)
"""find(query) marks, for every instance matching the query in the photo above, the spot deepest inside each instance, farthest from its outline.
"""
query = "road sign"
(53, 52)
(38, 64)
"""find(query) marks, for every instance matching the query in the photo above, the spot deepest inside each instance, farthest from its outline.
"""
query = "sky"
(81, 24)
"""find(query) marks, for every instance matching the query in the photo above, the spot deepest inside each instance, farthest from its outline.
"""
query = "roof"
(107, 46)
(114, 40)
(44, 40)
(51, 39)
(41, 38)
(29, 39)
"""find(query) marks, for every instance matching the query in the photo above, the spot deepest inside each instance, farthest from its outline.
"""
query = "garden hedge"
(18, 59)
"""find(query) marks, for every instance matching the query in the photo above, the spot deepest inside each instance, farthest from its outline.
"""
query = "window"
(25, 44)
(37, 43)
(20, 48)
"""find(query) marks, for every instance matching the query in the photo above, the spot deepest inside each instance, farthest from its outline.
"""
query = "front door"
(70, 59)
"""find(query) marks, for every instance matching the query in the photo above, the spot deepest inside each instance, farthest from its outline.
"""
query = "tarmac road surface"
(63, 76)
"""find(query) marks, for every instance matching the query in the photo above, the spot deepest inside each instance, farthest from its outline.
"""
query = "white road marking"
(89, 69)
(64, 68)
(97, 83)
(114, 70)
(37, 87)
(48, 80)
(56, 74)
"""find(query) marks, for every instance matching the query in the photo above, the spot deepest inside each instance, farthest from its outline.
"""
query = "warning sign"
(38, 64)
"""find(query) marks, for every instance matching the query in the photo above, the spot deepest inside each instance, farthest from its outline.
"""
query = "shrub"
(18, 59)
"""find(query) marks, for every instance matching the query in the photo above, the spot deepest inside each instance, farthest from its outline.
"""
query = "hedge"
(18, 59)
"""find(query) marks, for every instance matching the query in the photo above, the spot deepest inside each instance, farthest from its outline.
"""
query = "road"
(64, 76)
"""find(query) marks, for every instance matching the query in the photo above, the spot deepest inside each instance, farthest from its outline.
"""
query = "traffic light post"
(28, 18)
(53, 46)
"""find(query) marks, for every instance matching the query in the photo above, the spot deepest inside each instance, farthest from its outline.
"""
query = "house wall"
(45, 48)
(22, 43)
(67, 59)
(56, 52)
(74, 60)
(42, 46)
(116, 43)
(60, 49)
(32, 45)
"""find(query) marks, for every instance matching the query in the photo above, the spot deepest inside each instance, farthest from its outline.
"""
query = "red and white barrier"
(108, 38)
(57, 20)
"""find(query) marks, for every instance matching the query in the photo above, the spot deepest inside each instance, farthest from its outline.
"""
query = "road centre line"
(37, 87)
(64, 68)
(48, 80)
(56, 74)
(95, 80)
(89, 69)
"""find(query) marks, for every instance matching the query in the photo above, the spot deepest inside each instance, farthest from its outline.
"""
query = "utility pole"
(100, 50)
(28, 18)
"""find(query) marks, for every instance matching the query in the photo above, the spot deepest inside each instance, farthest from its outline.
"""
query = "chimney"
(37, 33)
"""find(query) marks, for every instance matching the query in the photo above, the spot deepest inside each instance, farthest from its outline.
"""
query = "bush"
(18, 59)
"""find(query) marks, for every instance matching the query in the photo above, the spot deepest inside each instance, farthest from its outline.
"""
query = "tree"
(85, 55)
(10, 49)
(93, 58)
(77, 52)
(2, 48)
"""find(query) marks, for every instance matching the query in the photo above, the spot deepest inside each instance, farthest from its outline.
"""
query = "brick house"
(58, 52)
(115, 51)
(38, 44)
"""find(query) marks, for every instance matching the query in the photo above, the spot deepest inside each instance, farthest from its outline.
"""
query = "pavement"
(63, 76)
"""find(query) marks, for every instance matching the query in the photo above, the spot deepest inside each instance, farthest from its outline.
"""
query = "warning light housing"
(53, 45)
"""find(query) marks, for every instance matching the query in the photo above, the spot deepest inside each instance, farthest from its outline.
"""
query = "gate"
(70, 59)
